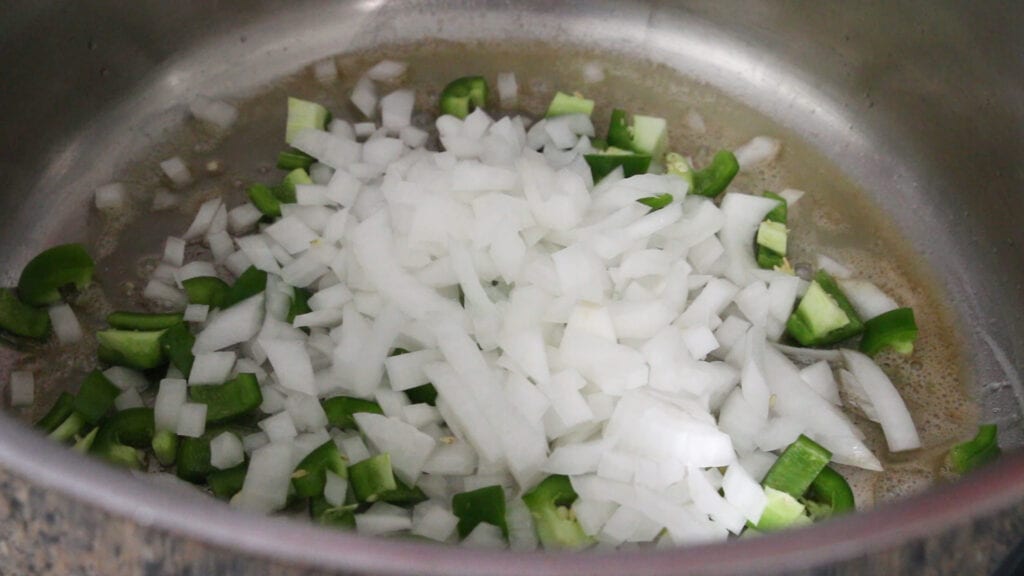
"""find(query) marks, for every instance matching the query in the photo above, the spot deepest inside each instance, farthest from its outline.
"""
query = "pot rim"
(52, 466)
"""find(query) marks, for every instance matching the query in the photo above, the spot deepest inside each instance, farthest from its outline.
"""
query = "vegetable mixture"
(539, 334)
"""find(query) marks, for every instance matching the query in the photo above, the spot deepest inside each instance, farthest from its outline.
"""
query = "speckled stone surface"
(45, 533)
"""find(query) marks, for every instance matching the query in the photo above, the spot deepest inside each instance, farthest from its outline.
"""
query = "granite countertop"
(43, 532)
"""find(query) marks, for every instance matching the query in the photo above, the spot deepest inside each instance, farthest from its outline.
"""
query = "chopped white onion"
(900, 432)
(386, 70)
(226, 451)
(196, 313)
(364, 96)
(130, 398)
(22, 388)
(176, 171)
(325, 71)
(191, 420)
(215, 112)
(65, 324)
(111, 196)
(170, 397)
(211, 368)
(760, 150)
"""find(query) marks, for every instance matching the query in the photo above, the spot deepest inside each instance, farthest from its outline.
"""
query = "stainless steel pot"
(922, 104)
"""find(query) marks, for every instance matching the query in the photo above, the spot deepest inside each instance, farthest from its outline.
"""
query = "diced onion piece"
(166, 295)
(65, 324)
(196, 313)
(215, 112)
(900, 432)
(364, 96)
(382, 519)
(211, 368)
(593, 73)
(268, 478)
(130, 398)
(125, 378)
(409, 448)
(170, 397)
(279, 427)
(204, 219)
(508, 89)
(191, 420)
(867, 299)
(335, 489)
(226, 451)
(325, 71)
(176, 171)
(386, 70)
(396, 109)
(237, 324)
(22, 388)
(432, 521)
(760, 150)
(111, 196)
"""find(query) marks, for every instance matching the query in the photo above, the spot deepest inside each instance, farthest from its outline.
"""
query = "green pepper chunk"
(485, 504)
(250, 283)
(121, 434)
(176, 344)
(67, 429)
(618, 131)
(165, 447)
(772, 235)
(678, 165)
(824, 316)
(131, 348)
(226, 483)
(143, 321)
(781, 211)
(265, 200)
(603, 164)
(58, 413)
(229, 400)
(403, 494)
(423, 394)
(564, 104)
(291, 159)
(95, 397)
(304, 115)
(340, 409)
(829, 495)
(193, 459)
(321, 511)
(894, 329)
(133, 427)
(285, 192)
(84, 444)
(208, 290)
(21, 319)
(549, 503)
(656, 202)
(299, 304)
(797, 467)
(856, 326)
(977, 452)
(463, 95)
(713, 179)
(310, 475)
(782, 511)
(372, 478)
(45, 275)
